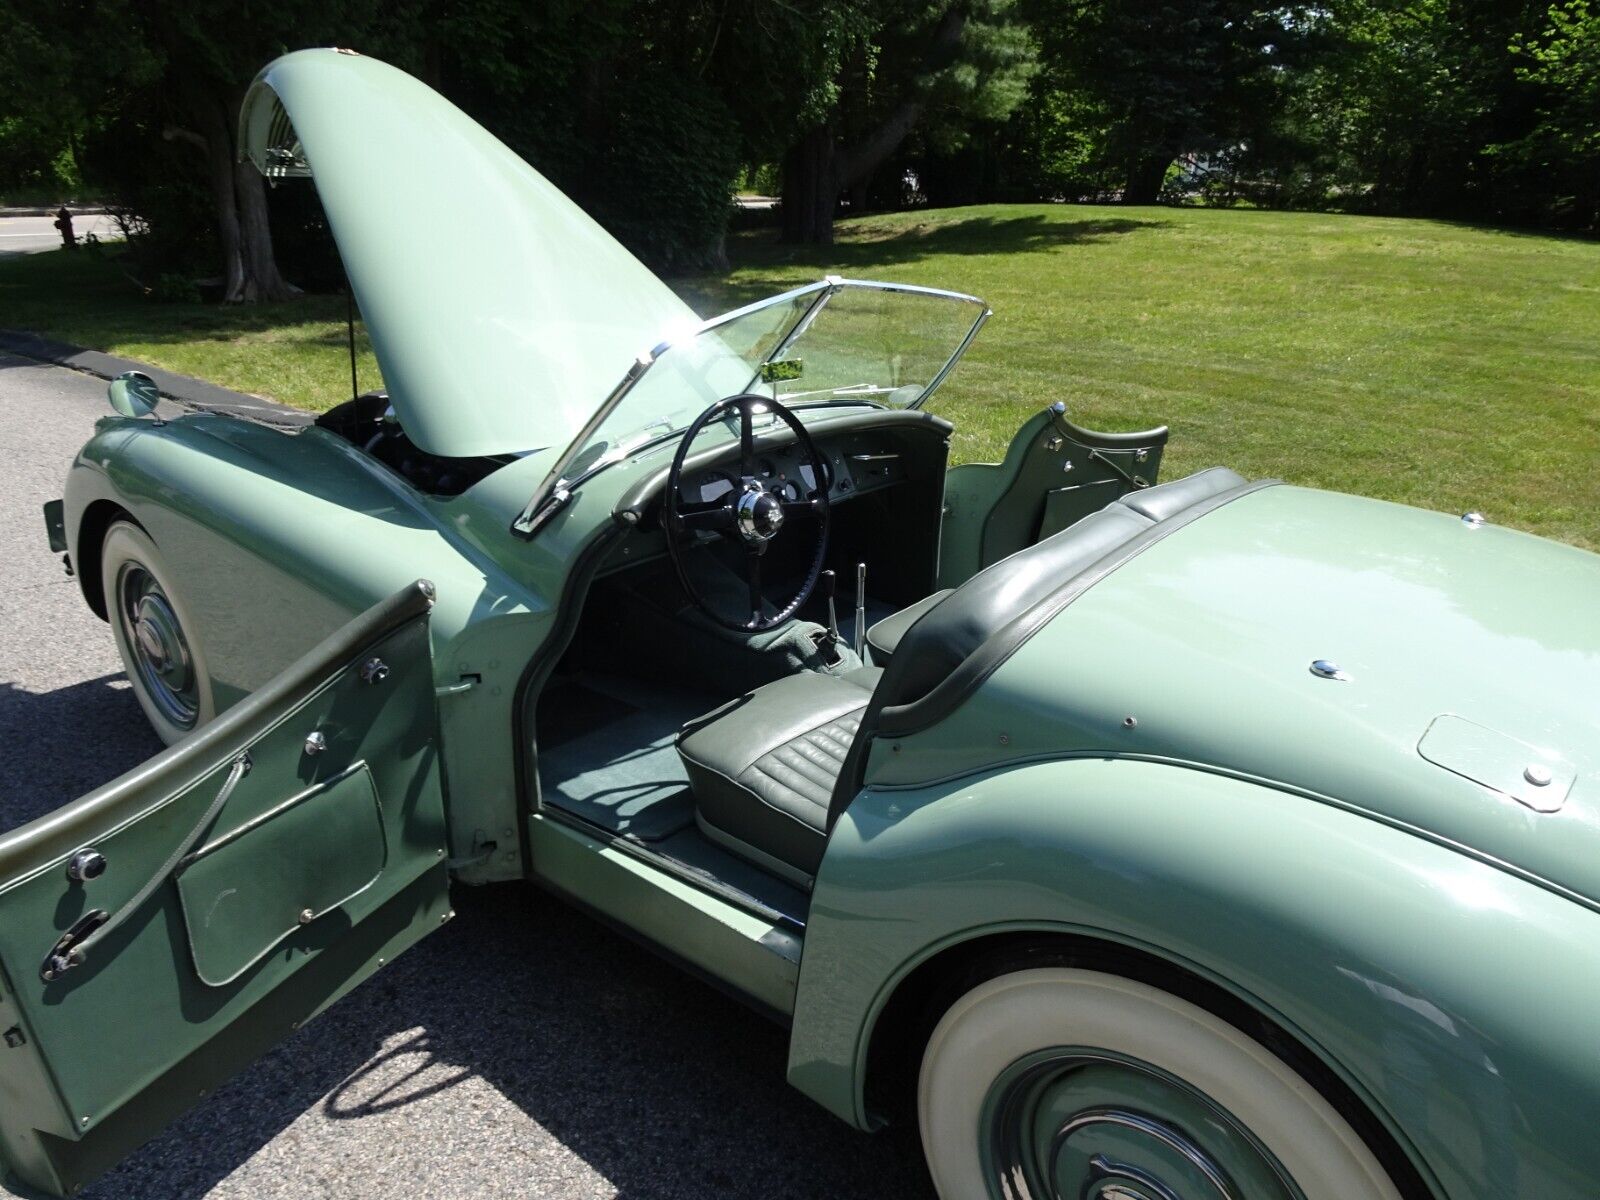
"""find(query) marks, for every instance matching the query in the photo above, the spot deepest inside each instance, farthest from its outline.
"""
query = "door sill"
(733, 939)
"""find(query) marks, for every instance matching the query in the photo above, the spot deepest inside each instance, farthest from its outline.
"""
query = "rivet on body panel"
(1130, 722)
(1538, 774)
(1474, 519)
(1324, 668)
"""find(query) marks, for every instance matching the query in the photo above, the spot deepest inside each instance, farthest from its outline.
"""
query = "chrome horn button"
(758, 514)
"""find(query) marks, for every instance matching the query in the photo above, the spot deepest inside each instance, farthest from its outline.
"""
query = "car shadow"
(65, 743)
(660, 1084)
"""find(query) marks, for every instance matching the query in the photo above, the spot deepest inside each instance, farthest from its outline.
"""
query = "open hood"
(500, 312)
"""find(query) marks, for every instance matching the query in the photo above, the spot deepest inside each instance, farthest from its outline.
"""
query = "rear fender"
(1453, 999)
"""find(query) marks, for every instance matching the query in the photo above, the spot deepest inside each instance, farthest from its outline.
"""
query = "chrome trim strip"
(525, 522)
(950, 365)
(528, 520)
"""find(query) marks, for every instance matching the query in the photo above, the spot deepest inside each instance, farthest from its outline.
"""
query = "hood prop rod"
(350, 333)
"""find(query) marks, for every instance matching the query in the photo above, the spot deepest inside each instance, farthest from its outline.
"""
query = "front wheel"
(154, 634)
(1068, 1084)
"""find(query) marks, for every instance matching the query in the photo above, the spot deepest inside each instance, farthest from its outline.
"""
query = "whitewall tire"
(1071, 1084)
(155, 634)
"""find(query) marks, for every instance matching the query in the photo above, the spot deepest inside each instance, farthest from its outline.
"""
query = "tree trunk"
(1145, 177)
(810, 188)
(816, 169)
(249, 268)
(214, 142)
(262, 279)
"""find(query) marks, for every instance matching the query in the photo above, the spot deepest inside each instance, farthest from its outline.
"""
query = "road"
(522, 1051)
(28, 235)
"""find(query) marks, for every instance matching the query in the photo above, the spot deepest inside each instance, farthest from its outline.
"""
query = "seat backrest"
(944, 637)
(958, 625)
(956, 628)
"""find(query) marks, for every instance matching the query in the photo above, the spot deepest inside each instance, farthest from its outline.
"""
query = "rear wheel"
(154, 634)
(1067, 1084)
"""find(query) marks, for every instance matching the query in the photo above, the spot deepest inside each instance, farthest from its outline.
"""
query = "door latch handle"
(65, 954)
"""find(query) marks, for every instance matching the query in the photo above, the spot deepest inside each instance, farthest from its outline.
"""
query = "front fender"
(1453, 998)
(280, 539)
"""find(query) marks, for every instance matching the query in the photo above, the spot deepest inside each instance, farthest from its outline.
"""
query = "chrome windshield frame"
(555, 489)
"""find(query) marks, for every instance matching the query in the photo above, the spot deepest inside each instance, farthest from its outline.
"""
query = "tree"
(1562, 62)
(1167, 77)
(937, 66)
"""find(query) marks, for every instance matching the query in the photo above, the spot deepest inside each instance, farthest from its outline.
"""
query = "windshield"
(837, 341)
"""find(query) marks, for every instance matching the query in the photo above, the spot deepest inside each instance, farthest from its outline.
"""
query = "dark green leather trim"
(1170, 499)
(762, 768)
(883, 637)
(940, 700)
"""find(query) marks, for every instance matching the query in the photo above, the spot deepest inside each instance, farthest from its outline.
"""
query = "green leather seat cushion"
(763, 767)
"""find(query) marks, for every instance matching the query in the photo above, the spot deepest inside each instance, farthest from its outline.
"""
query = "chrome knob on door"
(86, 864)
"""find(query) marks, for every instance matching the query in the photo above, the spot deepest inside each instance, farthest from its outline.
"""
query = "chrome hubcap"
(162, 661)
(1080, 1124)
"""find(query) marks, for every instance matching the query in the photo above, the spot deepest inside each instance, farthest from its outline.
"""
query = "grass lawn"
(1440, 365)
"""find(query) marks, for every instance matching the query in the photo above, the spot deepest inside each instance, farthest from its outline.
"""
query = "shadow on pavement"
(65, 743)
(660, 1084)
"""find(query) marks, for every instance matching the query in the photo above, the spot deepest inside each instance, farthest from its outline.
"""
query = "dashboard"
(856, 463)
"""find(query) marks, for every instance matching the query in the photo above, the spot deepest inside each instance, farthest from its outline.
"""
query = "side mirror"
(133, 394)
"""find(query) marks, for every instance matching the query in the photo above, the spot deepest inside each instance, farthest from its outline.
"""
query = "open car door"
(158, 934)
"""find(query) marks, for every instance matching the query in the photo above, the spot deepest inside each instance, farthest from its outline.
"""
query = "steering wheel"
(749, 515)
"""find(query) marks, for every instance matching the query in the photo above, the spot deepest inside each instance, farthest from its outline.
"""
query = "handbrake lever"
(861, 611)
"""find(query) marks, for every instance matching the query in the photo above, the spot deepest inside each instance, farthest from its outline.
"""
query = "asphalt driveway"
(521, 1051)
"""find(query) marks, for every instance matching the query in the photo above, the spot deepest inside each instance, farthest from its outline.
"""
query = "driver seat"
(765, 769)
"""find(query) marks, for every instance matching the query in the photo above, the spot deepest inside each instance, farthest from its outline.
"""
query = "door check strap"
(74, 945)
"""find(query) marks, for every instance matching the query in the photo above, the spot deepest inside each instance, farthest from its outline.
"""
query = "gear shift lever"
(830, 587)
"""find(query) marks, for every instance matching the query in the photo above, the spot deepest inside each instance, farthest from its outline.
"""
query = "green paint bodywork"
(500, 312)
(1157, 767)
(268, 923)
(1206, 641)
(1455, 999)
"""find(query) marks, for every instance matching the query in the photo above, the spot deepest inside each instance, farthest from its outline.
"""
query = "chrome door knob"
(86, 864)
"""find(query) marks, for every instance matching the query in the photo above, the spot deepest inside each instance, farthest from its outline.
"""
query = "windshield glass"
(838, 341)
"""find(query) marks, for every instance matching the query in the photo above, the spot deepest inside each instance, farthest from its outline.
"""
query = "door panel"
(321, 864)
(1053, 475)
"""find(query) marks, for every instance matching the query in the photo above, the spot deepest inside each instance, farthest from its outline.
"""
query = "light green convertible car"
(1202, 840)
